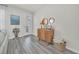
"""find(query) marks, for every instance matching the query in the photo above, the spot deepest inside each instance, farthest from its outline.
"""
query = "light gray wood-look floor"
(31, 45)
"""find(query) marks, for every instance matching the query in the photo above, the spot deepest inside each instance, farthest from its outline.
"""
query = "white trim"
(73, 50)
(22, 35)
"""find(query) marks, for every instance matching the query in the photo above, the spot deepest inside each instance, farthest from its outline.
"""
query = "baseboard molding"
(22, 35)
(73, 50)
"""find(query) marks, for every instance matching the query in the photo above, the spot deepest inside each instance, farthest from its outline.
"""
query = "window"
(2, 19)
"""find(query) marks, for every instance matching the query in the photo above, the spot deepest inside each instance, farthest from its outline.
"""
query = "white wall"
(66, 23)
(10, 10)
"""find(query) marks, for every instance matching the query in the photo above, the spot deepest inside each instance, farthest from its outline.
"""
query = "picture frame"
(14, 20)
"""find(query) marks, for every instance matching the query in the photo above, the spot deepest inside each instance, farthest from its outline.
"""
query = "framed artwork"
(14, 20)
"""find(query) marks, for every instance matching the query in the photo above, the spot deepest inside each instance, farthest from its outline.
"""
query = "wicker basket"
(60, 46)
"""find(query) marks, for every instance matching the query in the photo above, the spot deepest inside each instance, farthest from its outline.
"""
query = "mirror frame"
(43, 21)
(51, 18)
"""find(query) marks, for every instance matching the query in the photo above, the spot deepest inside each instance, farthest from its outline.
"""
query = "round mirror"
(45, 21)
(51, 20)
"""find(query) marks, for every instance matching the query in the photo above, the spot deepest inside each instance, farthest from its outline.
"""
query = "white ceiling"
(29, 7)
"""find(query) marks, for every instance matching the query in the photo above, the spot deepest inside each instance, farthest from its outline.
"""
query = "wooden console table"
(46, 35)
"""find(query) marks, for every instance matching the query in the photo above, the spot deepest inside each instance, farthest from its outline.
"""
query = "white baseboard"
(73, 50)
(22, 35)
